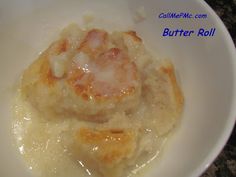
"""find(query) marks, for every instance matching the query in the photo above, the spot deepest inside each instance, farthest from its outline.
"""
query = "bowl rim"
(231, 119)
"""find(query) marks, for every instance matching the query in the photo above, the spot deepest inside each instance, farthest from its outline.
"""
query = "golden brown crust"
(168, 69)
(112, 145)
(45, 71)
(105, 60)
(101, 37)
(134, 35)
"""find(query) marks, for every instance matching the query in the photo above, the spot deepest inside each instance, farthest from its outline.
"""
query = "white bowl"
(206, 67)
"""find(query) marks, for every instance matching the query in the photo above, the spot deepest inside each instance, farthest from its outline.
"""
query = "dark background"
(225, 164)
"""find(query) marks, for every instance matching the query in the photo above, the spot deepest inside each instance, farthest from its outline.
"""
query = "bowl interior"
(205, 66)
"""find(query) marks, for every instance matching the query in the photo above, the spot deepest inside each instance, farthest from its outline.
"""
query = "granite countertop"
(225, 164)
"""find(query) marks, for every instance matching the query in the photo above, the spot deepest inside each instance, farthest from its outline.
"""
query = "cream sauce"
(43, 145)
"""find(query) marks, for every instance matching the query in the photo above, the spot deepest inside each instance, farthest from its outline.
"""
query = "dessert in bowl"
(95, 102)
(205, 68)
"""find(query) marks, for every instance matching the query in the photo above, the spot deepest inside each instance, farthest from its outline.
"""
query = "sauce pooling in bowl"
(95, 103)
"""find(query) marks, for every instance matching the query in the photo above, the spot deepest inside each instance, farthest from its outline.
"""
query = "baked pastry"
(88, 79)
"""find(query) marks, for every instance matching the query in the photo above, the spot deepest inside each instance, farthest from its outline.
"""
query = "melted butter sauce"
(40, 143)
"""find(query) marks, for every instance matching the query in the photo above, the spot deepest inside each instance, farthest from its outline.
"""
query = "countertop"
(225, 164)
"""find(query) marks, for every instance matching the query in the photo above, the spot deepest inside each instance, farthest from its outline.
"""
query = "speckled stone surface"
(225, 164)
(226, 10)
